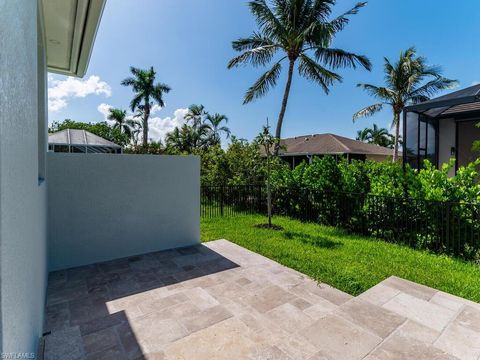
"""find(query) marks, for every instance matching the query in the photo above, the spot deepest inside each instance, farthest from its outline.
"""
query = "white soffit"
(70, 30)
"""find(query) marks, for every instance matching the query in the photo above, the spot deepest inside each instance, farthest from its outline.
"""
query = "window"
(421, 140)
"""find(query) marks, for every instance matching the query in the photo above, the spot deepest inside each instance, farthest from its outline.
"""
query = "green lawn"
(350, 263)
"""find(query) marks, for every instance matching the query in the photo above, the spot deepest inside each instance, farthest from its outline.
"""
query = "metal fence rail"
(444, 227)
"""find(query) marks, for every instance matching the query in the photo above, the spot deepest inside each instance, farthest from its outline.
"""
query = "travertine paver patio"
(221, 301)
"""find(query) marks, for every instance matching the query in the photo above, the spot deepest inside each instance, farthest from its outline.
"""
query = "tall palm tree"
(197, 135)
(147, 93)
(214, 124)
(376, 135)
(121, 121)
(196, 115)
(408, 81)
(302, 32)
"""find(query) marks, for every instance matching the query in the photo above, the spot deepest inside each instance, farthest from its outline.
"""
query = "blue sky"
(188, 42)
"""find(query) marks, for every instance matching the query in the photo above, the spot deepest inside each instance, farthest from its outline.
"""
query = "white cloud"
(104, 109)
(155, 109)
(475, 83)
(61, 91)
(158, 127)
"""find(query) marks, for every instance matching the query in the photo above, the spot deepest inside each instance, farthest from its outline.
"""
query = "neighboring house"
(304, 148)
(442, 129)
(81, 141)
(58, 210)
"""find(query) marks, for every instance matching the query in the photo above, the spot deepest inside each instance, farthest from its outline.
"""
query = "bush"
(424, 209)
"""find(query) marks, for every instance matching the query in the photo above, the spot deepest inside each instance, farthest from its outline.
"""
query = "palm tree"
(376, 135)
(364, 135)
(121, 121)
(301, 31)
(198, 132)
(214, 123)
(147, 93)
(408, 81)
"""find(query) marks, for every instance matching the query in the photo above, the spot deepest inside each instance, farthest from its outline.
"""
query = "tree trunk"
(396, 120)
(269, 190)
(146, 115)
(278, 131)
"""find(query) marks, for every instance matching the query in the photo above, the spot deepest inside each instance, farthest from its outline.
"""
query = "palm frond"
(338, 58)
(270, 25)
(259, 56)
(263, 84)
(433, 86)
(367, 111)
(378, 92)
(339, 23)
(311, 70)
(254, 41)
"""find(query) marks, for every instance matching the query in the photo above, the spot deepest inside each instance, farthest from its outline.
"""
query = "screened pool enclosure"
(442, 128)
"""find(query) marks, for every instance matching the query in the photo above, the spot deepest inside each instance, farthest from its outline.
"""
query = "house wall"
(381, 158)
(446, 140)
(22, 196)
(102, 207)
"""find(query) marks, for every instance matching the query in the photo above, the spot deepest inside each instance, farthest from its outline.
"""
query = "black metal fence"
(445, 227)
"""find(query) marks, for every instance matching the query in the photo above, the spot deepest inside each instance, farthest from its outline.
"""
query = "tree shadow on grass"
(314, 240)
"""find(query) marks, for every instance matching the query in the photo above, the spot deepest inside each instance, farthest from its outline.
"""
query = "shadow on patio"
(100, 311)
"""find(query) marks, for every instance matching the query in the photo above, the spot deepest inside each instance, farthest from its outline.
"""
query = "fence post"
(222, 189)
(447, 237)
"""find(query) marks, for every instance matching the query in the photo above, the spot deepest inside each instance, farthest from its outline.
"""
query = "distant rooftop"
(73, 140)
(328, 144)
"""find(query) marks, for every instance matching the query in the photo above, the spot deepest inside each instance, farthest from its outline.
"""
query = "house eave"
(70, 30)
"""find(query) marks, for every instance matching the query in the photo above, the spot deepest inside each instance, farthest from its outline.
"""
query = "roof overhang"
(443, 104)
(70, 30)
(461, 101)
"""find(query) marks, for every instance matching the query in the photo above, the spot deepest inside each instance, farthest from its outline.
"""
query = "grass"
(350, 263)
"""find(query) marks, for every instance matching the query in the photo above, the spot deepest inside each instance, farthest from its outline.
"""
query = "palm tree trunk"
(146, 115)
(278, 131)
(396, 120)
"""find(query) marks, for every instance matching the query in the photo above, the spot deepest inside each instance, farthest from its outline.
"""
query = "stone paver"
(221, 301)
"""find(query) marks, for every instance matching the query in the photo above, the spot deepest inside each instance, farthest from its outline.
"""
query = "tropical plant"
(215, 127)
(122, 123)
(476, 143)
(201, 131)
(198, 130)
(408, 81)
(147, 93)
(268, 142)
(376, 135)
(302, 32)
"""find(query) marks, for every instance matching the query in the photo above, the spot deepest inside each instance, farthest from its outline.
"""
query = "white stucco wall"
(103, 207)
(446, 140)
(22, 198)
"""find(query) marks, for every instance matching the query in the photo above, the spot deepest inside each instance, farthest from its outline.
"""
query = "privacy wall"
(23, 220)
(103, 207)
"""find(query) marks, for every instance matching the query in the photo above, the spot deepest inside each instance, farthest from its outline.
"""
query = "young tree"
(301, 32)
(408, 81)
(268, 142)
(147, 93)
